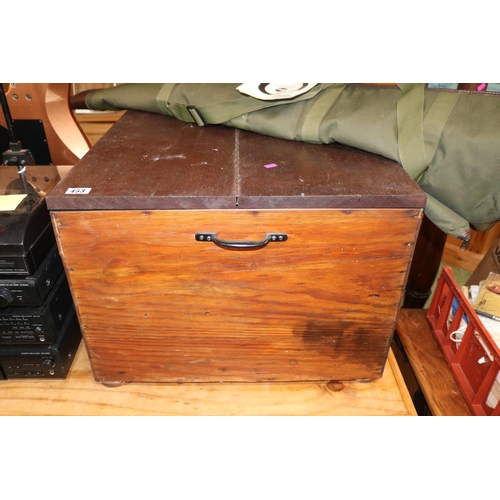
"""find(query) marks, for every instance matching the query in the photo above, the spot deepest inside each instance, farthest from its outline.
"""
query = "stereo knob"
(49, 363)
(5, 297)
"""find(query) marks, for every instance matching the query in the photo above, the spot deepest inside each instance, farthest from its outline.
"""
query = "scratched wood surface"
(155, 162)
(156, 305)
(80, 394)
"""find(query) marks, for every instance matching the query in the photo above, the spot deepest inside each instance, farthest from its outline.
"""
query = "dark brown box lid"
(148, 161)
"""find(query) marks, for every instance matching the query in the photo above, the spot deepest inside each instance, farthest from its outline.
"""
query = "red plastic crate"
(471, 353)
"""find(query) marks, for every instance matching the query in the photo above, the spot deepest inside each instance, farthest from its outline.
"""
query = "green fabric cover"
(447, 140)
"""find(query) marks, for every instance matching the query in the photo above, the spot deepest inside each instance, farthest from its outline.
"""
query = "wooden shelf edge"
(436, 380)
(401, 384)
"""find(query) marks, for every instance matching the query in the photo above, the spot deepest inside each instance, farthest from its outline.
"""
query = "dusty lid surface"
(149, 161)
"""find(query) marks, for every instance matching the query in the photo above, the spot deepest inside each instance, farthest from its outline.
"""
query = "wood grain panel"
(436, 380)
(96, 123)
(155, 305)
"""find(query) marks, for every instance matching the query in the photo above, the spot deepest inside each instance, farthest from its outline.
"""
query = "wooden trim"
(99, 116)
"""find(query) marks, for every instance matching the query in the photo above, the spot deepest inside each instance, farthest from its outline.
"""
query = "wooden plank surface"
(148, 161)
(319, 176)
(438, 385)
(158, 306)
(80, 394)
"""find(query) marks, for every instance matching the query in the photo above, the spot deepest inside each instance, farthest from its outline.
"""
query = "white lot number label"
(78, 190)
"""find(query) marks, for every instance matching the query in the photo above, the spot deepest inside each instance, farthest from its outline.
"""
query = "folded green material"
(447, 140)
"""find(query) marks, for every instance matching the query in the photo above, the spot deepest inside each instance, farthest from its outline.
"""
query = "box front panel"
(157, 305)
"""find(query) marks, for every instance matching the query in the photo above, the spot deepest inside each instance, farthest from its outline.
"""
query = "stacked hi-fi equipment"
(39, 330)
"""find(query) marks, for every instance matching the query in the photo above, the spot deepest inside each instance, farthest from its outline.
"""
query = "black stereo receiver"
(40, 324)
(27, 237)
(43, 361)
(31, 290)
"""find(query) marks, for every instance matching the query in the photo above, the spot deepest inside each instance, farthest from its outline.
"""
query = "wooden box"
(150, 224)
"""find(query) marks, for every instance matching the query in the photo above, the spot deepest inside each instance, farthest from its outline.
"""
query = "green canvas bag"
(446, 140)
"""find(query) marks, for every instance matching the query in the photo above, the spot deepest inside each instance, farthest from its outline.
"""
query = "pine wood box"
(157, 303)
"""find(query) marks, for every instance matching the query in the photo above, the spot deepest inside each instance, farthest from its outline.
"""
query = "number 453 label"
(78, 190)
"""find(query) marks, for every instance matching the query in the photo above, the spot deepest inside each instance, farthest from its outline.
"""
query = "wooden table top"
(79, 394)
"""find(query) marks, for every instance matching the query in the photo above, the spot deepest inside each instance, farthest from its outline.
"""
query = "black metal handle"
(241, 245)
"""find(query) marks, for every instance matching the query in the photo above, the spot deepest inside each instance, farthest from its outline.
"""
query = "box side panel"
(157, 305)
